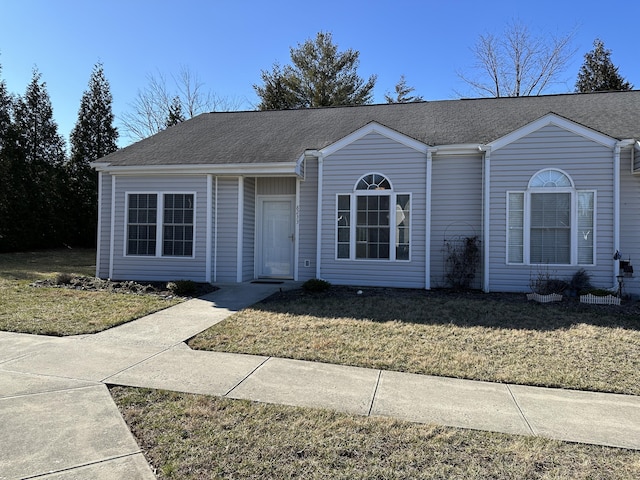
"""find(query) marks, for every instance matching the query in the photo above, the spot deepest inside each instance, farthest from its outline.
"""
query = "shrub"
(181, 288)
(580, 282)
(462, 260)
(64, 279)
(545, 284)
(316, 285)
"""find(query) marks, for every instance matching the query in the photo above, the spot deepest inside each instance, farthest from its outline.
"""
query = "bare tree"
(518, 63)
(153, 105)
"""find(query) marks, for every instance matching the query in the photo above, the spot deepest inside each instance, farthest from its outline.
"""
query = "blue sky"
(228, 43)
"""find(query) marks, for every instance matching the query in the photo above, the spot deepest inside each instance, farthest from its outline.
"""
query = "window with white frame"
(373, 222)
(155, 220)
(551, 222)
(142, 219)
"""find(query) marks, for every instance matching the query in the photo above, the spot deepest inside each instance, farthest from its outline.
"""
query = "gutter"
(616, 204)
(486, 213)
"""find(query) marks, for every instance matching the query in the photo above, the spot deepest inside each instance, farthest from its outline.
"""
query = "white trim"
(456, 149)
(215, 233)
(386, 177)
(320, 157)
(240, 238)
(296, 245)
(159, 223)
(374, 127)
(353, 214)
(553, 119)
(233, 169)
(209, 227)
(486, 217)
(113, 223)
(551, 169)
(99, 232)
(427, 232)
(258, 259)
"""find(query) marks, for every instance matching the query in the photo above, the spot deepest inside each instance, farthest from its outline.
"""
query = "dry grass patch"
(193, 437)
(55, 311)
(499, 338)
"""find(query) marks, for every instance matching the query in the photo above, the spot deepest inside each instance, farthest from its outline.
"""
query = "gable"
(556, 121)
(374, 128)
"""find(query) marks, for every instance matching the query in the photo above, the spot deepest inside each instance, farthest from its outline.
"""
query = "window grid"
(177, 225)
(372, 227)
(141, 226)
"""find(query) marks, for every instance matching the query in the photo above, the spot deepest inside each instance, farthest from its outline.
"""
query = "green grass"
(194, 437)
(498, 338)
(58, 311)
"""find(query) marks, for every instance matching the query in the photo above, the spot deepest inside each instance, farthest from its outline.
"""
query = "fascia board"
(374, 127)
(552, 119)
(253, 169)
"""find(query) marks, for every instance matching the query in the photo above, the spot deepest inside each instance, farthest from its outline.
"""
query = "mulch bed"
(158, 289)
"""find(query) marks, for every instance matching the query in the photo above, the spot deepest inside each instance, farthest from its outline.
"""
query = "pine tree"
(402, 93)
(37, 170)
(598, 73)
(175, 113)
(92, 137)
(6, 168)
(319, 76)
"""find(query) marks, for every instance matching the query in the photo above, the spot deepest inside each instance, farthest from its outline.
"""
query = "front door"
(276, 237)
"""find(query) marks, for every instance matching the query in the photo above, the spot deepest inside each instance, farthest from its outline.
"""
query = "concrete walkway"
(58, 420)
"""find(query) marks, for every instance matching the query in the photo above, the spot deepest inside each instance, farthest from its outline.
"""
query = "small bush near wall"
(462, 260)
(316, 285)
(182, 288)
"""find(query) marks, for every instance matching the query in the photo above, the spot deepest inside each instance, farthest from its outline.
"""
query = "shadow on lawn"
(460, 308)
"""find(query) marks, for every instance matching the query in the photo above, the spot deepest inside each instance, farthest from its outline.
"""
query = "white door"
(276, 238)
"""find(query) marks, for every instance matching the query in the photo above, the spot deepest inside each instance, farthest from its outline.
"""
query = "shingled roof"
(282, 136)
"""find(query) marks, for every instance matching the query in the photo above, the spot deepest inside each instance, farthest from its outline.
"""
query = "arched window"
(373, 222)
(551, 222)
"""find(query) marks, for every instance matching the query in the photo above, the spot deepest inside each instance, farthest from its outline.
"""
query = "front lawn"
(57, 311)
(491, 337)
(195, 436)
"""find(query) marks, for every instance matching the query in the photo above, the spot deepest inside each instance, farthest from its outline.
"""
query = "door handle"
(292, 237)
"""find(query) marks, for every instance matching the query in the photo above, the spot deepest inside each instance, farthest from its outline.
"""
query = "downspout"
(113, 223)
(320, 158)
(427, 233)
(616, 205)
(240, 246)
(486, 215)
(208, 235)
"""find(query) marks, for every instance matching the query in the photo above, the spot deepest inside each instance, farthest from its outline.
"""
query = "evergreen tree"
(6, 166)
(598, 73)
(318, 76)
(175, 113)
(92, 137)
(402, 93)
(38, 157)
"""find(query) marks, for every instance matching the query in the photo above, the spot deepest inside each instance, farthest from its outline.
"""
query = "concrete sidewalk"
(58, 420)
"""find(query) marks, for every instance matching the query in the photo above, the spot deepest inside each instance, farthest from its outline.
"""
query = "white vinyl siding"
(249, 229)
(159, 267)
(406, 170)
(590, 165)
(307, 220)
(456, 210)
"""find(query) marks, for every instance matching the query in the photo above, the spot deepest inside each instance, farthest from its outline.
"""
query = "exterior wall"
(456, 210)
(589, 164)
(307, 221)
(160, 268)
(276, 186)
(249, 230)
(104, 227)
(630, 221)
(227, 230)
(406, 169)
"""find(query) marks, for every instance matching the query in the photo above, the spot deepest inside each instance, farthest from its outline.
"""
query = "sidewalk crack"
(520, 410)
(247, 376)
(375, 392)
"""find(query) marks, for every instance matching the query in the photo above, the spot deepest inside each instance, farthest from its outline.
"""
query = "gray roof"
(282, 136)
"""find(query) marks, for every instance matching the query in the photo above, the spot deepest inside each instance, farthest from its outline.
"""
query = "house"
(372, 195)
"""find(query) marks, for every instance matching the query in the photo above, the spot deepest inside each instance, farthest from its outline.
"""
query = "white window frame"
(159, 224)
(573, 245)
(353, 200)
